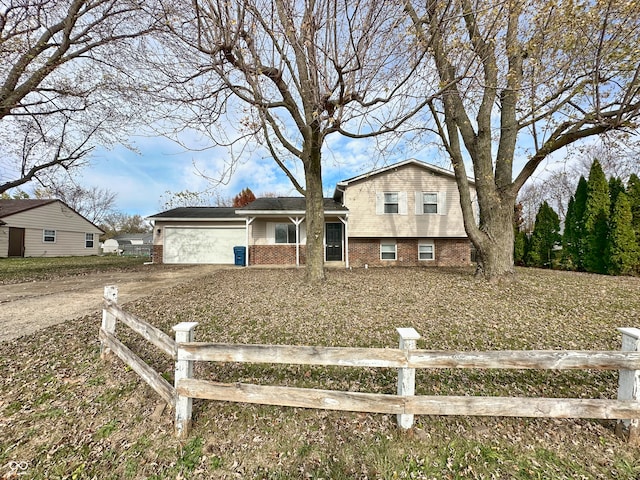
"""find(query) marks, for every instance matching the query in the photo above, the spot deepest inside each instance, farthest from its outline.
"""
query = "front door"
(16, 242)
(333, 234)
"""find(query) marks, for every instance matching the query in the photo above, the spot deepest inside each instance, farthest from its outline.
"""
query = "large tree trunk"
(494, 243)
(314, 216)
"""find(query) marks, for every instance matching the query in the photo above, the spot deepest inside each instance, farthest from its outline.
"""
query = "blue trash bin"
(240, 255)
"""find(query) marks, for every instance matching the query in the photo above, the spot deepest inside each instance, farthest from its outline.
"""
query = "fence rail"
(407, 358)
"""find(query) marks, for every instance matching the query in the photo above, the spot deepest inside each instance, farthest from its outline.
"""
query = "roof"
(135, 236)
(287, 205)
(411, 161)
(11, 207)
(197, 213)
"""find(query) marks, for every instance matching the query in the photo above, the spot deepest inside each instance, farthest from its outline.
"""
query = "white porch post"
(248, 221)
(297, 221)
(346, 240)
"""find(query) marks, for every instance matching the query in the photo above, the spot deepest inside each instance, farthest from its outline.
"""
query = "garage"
(202, 244)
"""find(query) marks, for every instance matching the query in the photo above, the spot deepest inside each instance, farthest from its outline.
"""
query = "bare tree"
(299, 72)
(93, 203)
(118, 223)
(559, 181)
(59, 90)
(530, 75)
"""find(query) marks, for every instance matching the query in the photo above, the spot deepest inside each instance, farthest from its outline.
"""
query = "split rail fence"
(407, 358)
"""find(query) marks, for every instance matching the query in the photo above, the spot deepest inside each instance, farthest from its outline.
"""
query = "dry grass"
(71, 416)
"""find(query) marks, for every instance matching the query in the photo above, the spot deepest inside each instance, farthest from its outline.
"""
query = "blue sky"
(142, 178)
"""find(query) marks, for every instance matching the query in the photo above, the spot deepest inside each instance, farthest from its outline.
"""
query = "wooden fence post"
(108, 320)
(184, 369)
(407, 376)
(629, 386)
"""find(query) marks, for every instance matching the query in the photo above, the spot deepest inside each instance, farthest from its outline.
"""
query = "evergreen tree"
(633, 193)
(519, 237)
(546, 235)
(615, 187)
(520, 248)
(573, 240)
(596, 218)
(623, 249)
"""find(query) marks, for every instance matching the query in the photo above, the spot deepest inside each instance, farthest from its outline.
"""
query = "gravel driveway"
(28, 307)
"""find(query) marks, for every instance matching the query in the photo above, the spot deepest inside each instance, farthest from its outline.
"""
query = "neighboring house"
(135, 239)
(403, 214)
(197, 235)
(130, 244)
(45, 228)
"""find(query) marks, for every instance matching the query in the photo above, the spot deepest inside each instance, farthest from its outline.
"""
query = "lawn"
(69, 415)
(14, 270)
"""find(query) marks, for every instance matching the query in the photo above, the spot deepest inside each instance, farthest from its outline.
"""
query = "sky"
(141, 177)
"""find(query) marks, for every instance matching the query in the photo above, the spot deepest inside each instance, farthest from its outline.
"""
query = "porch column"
(346, 240)
(297, 221)
(248, 222)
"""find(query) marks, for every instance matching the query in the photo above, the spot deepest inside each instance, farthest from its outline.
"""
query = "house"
(275, 224)
(407, 213)
(129, 244)
(45, 228)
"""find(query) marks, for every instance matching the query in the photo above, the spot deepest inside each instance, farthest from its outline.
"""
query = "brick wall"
(157, 254)
(275, 254)
(448, 252)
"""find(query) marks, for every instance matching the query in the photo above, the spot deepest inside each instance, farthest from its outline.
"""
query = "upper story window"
(88, 240)
(285, 233)
(391, 203)
(430, 203)
(49, 236)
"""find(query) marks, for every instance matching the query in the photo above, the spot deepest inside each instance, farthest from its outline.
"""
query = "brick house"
(404, 214)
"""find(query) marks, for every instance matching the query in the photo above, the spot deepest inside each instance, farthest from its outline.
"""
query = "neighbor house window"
(49, 236)
(88, 240)
(388, 250)
(430, 203)
(390, 203)
(285, 233)
(425, 251)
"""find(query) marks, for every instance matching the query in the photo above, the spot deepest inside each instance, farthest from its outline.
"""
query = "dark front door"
(16, 242)
(333, 233)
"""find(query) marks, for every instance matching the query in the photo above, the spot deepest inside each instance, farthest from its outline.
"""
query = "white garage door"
(201, 245)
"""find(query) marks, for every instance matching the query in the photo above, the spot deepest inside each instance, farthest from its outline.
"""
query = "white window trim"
(271, 233)
(402, 203)
(86, 240)
(433, 251)
(420, 203)
(44, 236)
(395, 250)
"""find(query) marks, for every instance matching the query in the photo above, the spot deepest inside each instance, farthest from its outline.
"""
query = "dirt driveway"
(28, 307)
